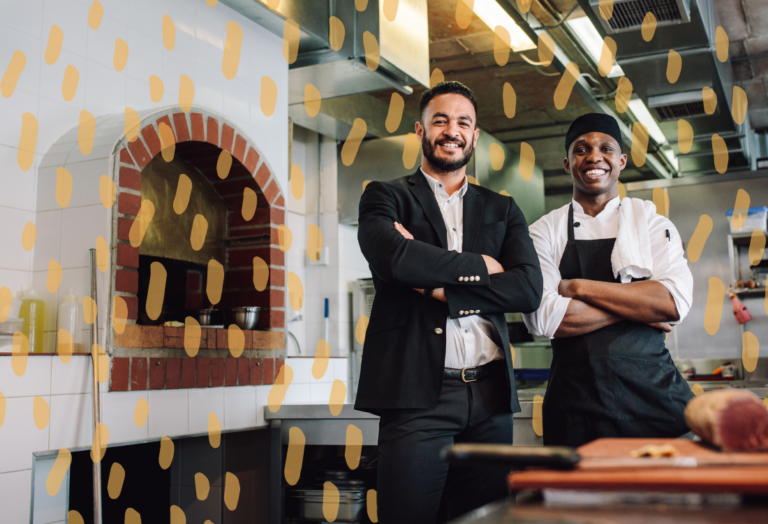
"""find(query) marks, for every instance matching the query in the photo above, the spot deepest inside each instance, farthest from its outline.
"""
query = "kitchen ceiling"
(466, 55)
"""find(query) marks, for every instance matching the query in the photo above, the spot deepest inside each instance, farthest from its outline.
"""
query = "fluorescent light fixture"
(591, 40)
(492, 15)
(672, 158)
(644, 116)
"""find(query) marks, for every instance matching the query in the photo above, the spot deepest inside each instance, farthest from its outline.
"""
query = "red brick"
(212, 135)
(272, 192)
(124, 228)
(240, 145)
(172, 373)
(133, 307)
(217, 372)
(230, 372)
(203, 372)
(138, 373)
(243, 371)
(127, 255)
(256, 369)
(244, 257)
(125, 157)
(188, 373)
(251, 160)
(151, 139)
(227, 137)
(193, 280)
(262, 176)
(139, 152)
(127, 281)
(209, 337)
(156, 373)
(279, 362)
(130, 337)
(248, 334)
(268, 370)
(280, 202)
(120, 367)
(173, 342)
(222, 339)
(152, 336)
(271, 318)
(128, 204)
(198, 129)
(242, 298)
(165, 119)
(182, 129)
(268, 340)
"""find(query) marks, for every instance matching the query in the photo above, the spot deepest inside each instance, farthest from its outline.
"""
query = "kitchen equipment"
(33, 312)
(310, 504)
(206, 317)
(502, 455)
(757, 218)
(243, 317)
(70, 319)
(604, 466)
(740, 311)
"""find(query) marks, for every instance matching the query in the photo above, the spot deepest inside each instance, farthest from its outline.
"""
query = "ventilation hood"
(688, 27)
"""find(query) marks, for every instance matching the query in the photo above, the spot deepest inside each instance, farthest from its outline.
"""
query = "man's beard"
(441, 164)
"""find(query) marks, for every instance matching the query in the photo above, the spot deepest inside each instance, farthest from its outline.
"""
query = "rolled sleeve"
(670, 267)
(545, 321)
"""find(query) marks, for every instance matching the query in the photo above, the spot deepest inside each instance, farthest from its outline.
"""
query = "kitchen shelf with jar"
(737, 243)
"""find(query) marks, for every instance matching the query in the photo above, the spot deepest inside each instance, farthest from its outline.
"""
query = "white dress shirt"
(550, 235)
(468, 340)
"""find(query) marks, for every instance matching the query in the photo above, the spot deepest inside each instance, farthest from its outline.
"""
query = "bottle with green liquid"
(33, 312)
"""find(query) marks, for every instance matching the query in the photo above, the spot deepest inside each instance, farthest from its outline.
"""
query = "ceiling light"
(492, 15)
(592, 42)
(644, 116)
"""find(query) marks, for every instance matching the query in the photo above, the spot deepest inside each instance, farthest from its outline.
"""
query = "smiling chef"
(615, 281)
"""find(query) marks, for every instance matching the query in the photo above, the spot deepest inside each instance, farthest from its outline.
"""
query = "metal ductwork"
(403, 51)
(688, 27)
(628, 15)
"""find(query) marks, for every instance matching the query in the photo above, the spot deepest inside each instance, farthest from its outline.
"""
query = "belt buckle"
(465, 380)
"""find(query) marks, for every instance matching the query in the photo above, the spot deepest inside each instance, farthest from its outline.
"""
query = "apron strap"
(570, 223)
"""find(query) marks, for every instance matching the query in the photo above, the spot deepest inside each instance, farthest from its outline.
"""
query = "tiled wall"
(66, 234)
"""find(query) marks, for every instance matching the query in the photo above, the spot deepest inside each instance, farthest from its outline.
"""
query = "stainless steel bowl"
(206, 316)
(243, 317)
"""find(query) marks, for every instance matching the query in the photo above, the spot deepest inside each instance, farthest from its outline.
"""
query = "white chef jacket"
(550, 235)
(468, 341)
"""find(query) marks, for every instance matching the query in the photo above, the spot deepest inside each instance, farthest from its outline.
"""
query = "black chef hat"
(592, 123)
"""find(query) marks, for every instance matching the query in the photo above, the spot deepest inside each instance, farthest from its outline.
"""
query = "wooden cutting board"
(601, 469)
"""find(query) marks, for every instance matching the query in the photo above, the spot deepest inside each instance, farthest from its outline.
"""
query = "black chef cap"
(592, 123)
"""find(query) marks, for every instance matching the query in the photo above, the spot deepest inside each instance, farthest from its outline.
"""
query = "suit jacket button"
(477, 278)
(477, 311)
(471, 311)
(438, 331)
(461, 279)
(461, 312)
(471, 279)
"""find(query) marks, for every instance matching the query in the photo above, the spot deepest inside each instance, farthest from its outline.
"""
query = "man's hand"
(567, 288)
(400, 229)
(492, 265)
(663, 326)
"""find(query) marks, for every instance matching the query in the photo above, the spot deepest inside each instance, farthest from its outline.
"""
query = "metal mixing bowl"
(243, 317)
(206, 317)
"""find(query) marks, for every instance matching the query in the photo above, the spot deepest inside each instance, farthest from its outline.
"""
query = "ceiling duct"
(687, 104)
(628, 15)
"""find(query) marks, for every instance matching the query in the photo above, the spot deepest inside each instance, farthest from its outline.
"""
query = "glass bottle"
(33, 312)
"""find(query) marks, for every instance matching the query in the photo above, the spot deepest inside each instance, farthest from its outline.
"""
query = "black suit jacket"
(404, 351)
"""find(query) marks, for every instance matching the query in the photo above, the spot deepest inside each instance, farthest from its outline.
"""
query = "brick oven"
(148, 355)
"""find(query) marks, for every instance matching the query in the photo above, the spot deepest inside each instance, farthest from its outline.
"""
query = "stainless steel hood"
(691, 33)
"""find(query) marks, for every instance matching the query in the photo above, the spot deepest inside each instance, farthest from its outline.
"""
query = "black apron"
(617, 381)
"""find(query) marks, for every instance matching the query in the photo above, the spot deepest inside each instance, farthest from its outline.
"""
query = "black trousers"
(414, 484)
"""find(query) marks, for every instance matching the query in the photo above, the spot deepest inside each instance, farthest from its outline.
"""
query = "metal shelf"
(750, 292)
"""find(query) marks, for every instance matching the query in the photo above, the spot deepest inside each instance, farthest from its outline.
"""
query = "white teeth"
(595, 172)
(450, 145)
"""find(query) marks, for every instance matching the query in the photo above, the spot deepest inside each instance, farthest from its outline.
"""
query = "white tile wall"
(117, 409)
(19, 437)
(15, 491)
(71, 421)
(202, 402)
(240, 407)
(168, 413)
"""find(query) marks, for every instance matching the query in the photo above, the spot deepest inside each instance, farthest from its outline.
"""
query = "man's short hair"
(444, 88)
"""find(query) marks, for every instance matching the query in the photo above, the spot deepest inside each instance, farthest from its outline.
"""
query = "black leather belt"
(475, 374)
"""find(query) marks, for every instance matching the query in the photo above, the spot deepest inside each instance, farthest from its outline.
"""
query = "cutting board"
(724, 473)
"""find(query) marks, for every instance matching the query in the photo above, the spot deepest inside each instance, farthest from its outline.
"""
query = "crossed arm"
(595, 305)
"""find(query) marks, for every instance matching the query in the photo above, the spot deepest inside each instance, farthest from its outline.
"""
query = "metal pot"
(351, 505)
(206, 317)
(243, 317)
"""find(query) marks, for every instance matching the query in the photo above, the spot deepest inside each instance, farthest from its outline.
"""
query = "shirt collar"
(611, 207)
(437, 187)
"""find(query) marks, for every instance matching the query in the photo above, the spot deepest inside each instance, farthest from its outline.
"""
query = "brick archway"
(200, 135)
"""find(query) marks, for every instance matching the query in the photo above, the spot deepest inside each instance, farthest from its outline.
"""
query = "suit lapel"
(473, 213)
(423, 193)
